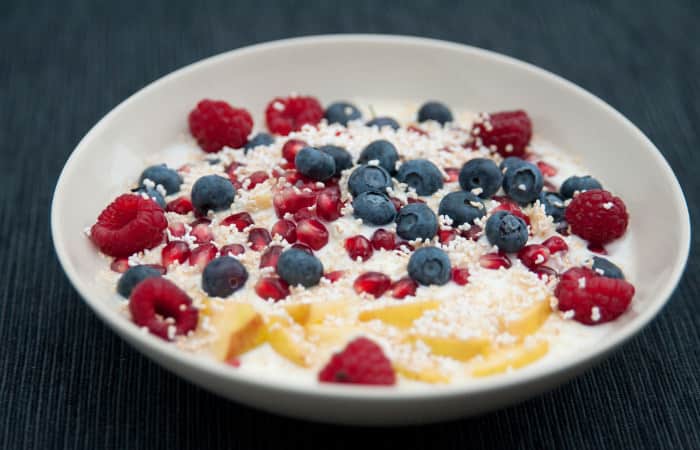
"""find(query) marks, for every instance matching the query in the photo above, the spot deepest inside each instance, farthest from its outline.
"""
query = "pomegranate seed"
(533, 255)
(546, 169)
(543, 271)
(181, 205)
(177, 229)
(358, 247)
(415, 200)
(259, 238)
(494, 261)
(304, 213)
(473, 233)
(231, 170)
(285, 228)
(452, 174)
(174, 251)
(312, 233)
(291, 148)
(334, 276)
(201, 232)
(271, 288)
(397, 203)
(446, 235)
(290, 200)
(120, 265)
(303, 248)
(256, 178)
(270, 256)
(382, 239)
(185, 168)
(201, 255)
(417, 130)
(512, 208)
(232, 250)
(403, 288)
(373, 283)
(241, 220)
(460, 275)
(597, 248)
(555, 244)
(328, 204)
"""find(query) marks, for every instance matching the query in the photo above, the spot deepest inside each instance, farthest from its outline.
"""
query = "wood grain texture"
(66, 381)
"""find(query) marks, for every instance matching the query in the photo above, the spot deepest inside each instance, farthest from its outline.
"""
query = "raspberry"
(507, 132)
(128, 225)
(593, 298)
(216, 124)
(158, 304)
(361, 362)
(597, 216)
(285, 115)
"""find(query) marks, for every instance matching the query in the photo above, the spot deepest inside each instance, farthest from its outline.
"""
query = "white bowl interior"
(385, 68)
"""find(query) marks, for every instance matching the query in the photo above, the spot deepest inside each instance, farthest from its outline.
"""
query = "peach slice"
(528, 321)
(512, 357)
(239, 328)
(287, 338)
(455, 348)
(401, 316)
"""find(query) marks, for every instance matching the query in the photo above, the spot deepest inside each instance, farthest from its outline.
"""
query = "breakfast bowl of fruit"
(315, 228)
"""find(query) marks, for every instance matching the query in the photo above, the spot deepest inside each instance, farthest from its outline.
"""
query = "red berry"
(232, 250)
(231, 172)
(271, 288)
(177, 229)
(397, 203)
(403, 288)
(546, 169)
(286, 229)
(507, 132)
(201, 231)
(452, 174)
(304, 213)
(291, 200)
(284, 115)
(533, 255)
(181, 205)
(174, 251)
(157, 304)
(216, 124)
(555, 244)
(202, 254)
(312, 233)
(507, 204)
(128, 225)
(581, 290)
(361, 362)
(494, 261)
(256, 178)
(446, 235)
(328, 204)
(417, 130)
(382, 239)
(373, 283)
(473, 233)
(415, 200)
(358, 247)
(543, 271)
(270, 256)
(241, 220)
(290, 150)
(334, 276)
(460, 275)
(597, 216)
(120, 265)
(258, 238)
(303, 248)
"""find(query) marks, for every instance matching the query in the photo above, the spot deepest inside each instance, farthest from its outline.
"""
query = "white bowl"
(385, 68)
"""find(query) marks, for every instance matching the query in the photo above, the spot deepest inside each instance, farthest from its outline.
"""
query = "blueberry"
(416, 220)
(510, 162)
(258, 140)
(607, 268)
(368, 178)
(374, 208)
(574, 183)
(462, 207)
(223, 276)
(342, 158)
(298, 267)
(382, 151)
(381, 122)
(553, 205)
(153, 194)
(523, 183)
(342, 113)
(213, 161)
(212, 192)
(315, 164)
(421, 175)
(128, 281)
(434, 111)
(506, 231)
(429, 265)
(483, 174)
(161, 174)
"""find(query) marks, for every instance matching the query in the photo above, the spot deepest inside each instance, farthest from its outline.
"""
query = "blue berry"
(434, 111)
(342, 158)
(429, 265)
(462, 207)
(213, 161)
(153, 194)
(368, 178)
(510, 162)
(607, 268)
(128, 281)
(258, 140)
(315, 164)
(574, 183)
(298, 267)
(381, 122)
(506, 231)
(523, 183)
(481, 173)
(212, 192)
(374, 208)
(421, 175)
(223, 276)
(342, 113)
(416, 220)
(161, 174)
(382, 151)
(553, 205)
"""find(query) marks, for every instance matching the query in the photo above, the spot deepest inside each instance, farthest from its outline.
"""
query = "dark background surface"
(66, 381)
